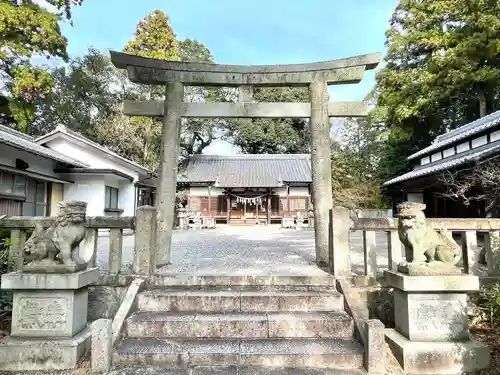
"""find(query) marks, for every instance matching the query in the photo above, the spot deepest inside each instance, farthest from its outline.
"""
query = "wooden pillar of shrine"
(268, 206)
(209, 201)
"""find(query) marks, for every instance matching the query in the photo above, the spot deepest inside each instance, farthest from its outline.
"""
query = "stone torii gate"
(317, 76)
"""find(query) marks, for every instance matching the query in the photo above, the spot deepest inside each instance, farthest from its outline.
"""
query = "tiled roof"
(460, 133)
(26, 143)
(248, 170)
(447, 163)
(64, 130)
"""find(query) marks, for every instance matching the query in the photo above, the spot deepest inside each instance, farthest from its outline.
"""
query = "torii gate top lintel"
(156, 72)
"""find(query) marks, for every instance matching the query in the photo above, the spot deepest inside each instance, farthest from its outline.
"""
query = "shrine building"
(248, 188)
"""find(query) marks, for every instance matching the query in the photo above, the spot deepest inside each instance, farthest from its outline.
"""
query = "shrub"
(489, 303)
(5, 296)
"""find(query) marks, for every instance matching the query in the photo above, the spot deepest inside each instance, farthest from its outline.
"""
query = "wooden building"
(457, 150)
(247, 189)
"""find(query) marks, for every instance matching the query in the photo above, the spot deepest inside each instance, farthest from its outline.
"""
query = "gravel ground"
(246, 250)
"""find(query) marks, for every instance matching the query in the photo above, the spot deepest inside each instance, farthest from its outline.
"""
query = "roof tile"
(265, 170)
(26, 143)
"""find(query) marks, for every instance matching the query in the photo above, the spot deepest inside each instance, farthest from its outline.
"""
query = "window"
(111, 198)
(20, 185)
(36, 197)
(12, 184)
(298, 204)
(194, 204)
(6, 182)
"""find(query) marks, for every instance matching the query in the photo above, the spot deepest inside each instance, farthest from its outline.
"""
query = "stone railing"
(20, 228)
(465, 231)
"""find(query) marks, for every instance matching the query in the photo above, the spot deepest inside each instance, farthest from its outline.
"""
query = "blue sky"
(248, 32)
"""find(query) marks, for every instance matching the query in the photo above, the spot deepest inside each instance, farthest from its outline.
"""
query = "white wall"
(214, 191)
(495, 136)
(462, 147)
(479, 141)
(8, 156)
(448, 152)
(87, 188)
(202, 191)
(198, 191)
(126, 198)
(299, 191)
(425, 160)
(280, 191)
(96, 194)
(415, 197)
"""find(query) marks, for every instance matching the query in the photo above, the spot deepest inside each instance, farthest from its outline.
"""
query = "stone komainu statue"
(56, 249)
(423, 243)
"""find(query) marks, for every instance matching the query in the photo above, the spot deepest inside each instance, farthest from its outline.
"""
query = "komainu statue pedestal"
(432, 333)
(49, 320)
(49, 313)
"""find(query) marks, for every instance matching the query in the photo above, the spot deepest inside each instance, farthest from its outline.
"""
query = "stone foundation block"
(49, 313)
(49, 320)
(449, 283)
(431, 316)
(417, 357)
(20, 354)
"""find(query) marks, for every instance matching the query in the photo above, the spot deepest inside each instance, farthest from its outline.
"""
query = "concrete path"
(246, 250)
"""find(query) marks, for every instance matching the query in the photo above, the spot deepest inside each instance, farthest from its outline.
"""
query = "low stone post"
(493, 253)
(115, 250)
(181, 215)
(90, 246)
(17, 238)
(49, 315)
(370, 253)
(145, 236)
(102, 345)
(470, 252)
(395, 250)
(375, 353)
(339, 252)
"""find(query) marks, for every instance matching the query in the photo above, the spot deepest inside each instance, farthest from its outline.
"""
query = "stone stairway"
(240, 325)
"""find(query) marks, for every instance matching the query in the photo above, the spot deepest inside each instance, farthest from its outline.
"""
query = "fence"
(341, 225)
(466, 230)
(21, 227)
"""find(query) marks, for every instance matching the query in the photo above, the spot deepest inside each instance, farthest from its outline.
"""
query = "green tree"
(28, 29)
(442, 70)
(272, 136)
(84, 93)
(154, 38)
(87, 97)
(355, 163)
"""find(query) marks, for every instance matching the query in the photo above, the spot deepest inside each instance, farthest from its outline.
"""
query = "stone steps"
(238, 301)
(130, 370)
(265, 353)
(240, 325)
(188, 280)
(234, 324)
